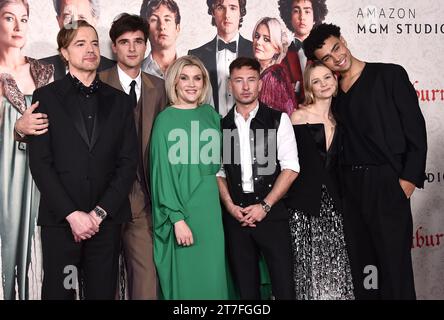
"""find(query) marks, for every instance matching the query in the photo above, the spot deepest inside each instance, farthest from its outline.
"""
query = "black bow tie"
(297, 45)
(232, 46)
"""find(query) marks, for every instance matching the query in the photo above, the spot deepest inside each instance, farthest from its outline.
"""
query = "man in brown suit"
(129, 34)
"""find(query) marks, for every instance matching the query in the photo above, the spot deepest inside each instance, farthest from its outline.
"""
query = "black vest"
(263, 142)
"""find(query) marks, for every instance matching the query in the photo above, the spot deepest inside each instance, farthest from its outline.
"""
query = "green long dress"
(185, 157)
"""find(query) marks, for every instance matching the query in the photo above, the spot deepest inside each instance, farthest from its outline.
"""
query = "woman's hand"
(184, 236)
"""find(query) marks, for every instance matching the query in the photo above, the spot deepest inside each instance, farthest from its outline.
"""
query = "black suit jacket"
(75, 173)
(60, 68)
(207, 53)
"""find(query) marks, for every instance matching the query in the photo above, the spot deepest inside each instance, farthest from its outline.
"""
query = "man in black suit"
(72, 10)
(384, 157)
(224, 48)
(84, 167)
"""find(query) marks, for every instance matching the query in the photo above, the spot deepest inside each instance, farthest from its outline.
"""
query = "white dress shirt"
(125, 82)
(287, 152)
(223, 60)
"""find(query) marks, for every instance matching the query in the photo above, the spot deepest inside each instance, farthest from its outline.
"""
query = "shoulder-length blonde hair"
(308, 87)
(173, 73)
(278, 36)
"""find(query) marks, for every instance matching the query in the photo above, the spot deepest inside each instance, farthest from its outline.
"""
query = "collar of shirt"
(238, 116)
(235, 38)
(125, 81)
(86, 91)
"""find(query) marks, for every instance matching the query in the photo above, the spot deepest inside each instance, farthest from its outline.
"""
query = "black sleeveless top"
(318, 166)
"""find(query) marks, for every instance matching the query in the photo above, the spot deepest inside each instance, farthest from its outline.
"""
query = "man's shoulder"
(155, 81)
(205, 48)
(51, 59)
(385, 67)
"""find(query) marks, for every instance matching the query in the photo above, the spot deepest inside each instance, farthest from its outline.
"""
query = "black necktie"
(232, 46)
(132, 93)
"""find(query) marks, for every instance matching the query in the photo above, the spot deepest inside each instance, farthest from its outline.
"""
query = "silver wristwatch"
(265, 206)
(100, 213)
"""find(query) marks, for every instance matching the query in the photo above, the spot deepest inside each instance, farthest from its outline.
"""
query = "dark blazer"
(207, 53)
(74, 173)
(60, 68)
(153, 100)
(383, 107)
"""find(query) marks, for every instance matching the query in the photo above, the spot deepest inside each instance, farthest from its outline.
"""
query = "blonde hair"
(173, 73)
(278, 36)
(308, 87)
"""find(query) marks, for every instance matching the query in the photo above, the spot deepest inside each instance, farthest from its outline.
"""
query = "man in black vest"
(260, 162)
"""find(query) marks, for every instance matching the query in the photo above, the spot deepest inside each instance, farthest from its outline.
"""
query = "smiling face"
(189, 85)
(72, 10)
(13, 25)
(130, 49)
(227, 16)
(335, 55)
(163, 29)
(83, 53)
(302, 18)
(323, 83)
(264, 49)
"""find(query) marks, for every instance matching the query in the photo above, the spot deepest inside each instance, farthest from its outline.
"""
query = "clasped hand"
(83, 225)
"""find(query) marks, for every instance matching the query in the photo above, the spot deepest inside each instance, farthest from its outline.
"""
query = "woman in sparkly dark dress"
(321, 264)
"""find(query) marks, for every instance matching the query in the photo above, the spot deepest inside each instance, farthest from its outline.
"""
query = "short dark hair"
(317, 37)
(241, 62)
(319, 11)
(242, 6)
(127, 23)
(68, 33)
(149, 6)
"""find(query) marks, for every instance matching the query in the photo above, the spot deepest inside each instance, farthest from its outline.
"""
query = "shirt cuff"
(290, 165)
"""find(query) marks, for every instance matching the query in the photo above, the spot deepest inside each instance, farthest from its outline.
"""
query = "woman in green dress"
(189, 250)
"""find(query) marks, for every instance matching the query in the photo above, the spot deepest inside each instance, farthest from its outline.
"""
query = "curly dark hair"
(319, 11)
(317, 37)
(127, 23)
(242, 6)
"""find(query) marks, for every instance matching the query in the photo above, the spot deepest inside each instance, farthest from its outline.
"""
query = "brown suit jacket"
(153, 99)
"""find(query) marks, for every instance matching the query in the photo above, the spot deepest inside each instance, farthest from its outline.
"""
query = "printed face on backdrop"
(130, 49)
(83, 53)
(163, 29)
(72, 10)
(227, 16)
(302, 18)
(264, 49)
(323, 83)
(13, 25)
(335, 54)
(189, 85)
(245, 85)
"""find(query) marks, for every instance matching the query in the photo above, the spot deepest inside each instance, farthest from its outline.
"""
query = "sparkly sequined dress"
(321, 263)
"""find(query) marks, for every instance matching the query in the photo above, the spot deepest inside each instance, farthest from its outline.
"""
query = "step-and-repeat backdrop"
(408, 32)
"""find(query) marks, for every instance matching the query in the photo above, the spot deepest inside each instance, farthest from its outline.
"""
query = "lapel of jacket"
(149, 109)
(106, 103)
(210, 57)
(111, 77)
(69, 101)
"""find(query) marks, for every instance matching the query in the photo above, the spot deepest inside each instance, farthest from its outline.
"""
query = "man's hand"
(184, 236)
(235, 211)
(408, 187)
(82, 225)
(254, 213)
(32, 123)
(97, 220)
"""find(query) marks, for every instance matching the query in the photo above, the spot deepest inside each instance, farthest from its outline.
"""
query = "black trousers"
(245, 244)
(94, 261)
(378, 231)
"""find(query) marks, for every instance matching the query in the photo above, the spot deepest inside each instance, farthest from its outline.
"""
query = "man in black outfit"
(84, 167)
(260, 162)
(383, 161)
